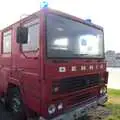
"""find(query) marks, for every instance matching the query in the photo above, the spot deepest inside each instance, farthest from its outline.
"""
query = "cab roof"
(45, 11)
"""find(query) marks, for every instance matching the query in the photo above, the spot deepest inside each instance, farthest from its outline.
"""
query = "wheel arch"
(12, 85)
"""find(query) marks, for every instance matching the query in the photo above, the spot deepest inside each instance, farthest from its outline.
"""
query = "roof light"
(44, 4)
(89, 20)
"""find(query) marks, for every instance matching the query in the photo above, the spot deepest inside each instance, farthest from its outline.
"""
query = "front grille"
(76, 83)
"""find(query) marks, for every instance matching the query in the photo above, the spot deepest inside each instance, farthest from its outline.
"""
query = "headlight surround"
(51, 109)
(103, 90)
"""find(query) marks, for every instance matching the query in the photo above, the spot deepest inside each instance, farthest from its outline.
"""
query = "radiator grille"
(76, 83)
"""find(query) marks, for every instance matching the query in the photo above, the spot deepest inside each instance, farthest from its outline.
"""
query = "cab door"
(27, 63)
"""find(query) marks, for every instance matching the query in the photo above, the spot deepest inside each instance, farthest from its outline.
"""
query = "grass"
(114, 93)
(114, 104)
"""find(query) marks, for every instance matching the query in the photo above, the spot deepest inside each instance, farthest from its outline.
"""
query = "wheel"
(14, 104)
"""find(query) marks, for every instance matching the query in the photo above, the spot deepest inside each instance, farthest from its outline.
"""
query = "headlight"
(103, 90)
(51, 109)
(60, 106)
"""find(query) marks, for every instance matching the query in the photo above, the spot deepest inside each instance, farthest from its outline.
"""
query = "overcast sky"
(102, 12)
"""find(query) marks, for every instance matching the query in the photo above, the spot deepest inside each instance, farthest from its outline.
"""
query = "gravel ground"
(99, 114)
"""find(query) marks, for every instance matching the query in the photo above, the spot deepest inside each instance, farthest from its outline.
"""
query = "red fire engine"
(52, 64)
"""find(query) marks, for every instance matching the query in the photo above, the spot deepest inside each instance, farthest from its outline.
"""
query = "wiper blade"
(84, 54)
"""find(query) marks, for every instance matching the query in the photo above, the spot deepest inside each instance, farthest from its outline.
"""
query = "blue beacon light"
(89, 20)
(44, 4)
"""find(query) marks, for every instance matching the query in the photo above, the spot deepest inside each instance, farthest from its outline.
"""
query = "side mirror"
(22, 35)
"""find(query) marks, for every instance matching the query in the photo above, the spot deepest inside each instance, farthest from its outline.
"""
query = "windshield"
(68, 39)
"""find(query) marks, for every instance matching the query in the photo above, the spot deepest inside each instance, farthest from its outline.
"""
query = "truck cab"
(58, 65)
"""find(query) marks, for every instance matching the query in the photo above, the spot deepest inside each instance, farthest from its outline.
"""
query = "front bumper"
(80, 111)
(102, 100)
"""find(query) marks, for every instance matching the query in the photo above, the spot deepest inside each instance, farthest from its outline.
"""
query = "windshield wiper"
(84, 54)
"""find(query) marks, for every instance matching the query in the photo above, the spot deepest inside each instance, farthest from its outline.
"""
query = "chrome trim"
(103, 99)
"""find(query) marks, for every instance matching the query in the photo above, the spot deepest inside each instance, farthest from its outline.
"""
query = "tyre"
(15, 104)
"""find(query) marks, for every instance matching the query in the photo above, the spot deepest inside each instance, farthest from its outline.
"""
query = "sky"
(102, 12)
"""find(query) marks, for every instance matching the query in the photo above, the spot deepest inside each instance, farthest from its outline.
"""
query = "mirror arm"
(24, 53)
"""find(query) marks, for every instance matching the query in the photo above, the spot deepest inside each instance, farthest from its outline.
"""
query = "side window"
(33, 38)
(7, 37)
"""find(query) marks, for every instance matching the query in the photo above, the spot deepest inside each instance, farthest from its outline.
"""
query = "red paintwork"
(34, 75)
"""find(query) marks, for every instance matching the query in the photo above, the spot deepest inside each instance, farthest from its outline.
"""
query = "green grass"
(114, 104)
(114, 93)
(115, 109)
